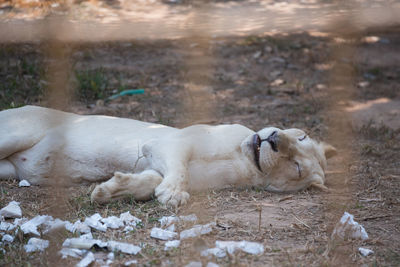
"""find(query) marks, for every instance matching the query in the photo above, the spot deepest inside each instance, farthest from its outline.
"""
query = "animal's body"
(40, 144)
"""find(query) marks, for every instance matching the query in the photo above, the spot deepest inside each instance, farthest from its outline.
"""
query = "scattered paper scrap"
(88, 259)
(217, 252)
(95, 223)
(72, 252)
(5, 226)
(83, 243)
(78, 227)
(246, 246)
(30, 227)
(162, 234)
(36, 244)
(131, 262)
(12, 210)
(24, 183)
(347, 228)
(123, 247)
(113, 222)
(128, 219)
(197, 230)
(194, 264)
(365, 251)
(212, 264)
(7, 238)
(172, 244)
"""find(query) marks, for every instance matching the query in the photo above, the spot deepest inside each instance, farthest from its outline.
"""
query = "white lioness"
(40, 144)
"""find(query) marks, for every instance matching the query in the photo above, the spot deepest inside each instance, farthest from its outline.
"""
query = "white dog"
(40, 145)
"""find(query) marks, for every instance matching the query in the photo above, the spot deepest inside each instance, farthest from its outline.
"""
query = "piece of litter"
(217, 252)
(88, 259)
(162, 234)
(87, 236)
(30, 227)
(55, 225)
(113, 222)
(172, 244)
(72, 252)
(169, 220)
(95, 223)
(7, 238)
(131, 262)
(83, 243)
(246, 246)
(123, 247)
(78, 227)
(128, 219)
(5, 226)
(111, 256)
(365, 251)
(36, 244)
(24, 183)
(12, 210)
(194, 264)
(128, 228)
(197, 230)
(348, 228)
(212, 264)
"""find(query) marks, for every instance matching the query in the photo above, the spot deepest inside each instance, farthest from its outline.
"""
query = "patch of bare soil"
(284, 81)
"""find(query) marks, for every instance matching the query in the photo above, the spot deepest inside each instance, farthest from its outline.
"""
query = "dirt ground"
(343, 89)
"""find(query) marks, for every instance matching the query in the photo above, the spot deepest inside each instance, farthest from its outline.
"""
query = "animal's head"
(289, 159)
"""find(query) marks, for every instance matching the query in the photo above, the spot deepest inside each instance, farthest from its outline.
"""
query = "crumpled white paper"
(172, 244)
(217, 252)
(88, 259)
(24, 183)
(95, 223)
(30, 227)
(197, 230)
(365, 251)
(347, 228)
(162, 234)
(12, 210)
(246, 246)
(36, 244)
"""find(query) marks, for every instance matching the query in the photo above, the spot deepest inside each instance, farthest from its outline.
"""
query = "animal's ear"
(329, 150)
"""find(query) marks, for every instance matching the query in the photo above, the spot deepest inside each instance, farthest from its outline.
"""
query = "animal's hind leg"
(141, 186)
(7, 170)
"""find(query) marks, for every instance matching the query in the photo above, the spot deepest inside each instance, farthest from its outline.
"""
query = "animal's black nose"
(273, 140)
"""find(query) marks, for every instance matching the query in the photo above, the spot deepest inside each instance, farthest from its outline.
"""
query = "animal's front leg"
(173, 189)
(170, 157)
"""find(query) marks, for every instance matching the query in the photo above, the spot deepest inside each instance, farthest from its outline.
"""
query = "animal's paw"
(171, 195)
(100, 194)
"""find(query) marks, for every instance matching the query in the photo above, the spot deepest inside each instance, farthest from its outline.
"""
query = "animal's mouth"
(272, 140)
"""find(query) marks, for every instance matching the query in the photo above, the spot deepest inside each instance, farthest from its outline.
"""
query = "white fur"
(40, 144)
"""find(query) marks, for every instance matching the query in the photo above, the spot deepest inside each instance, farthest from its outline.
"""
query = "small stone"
(24, 183)
(257, 54)
(363, 84)
(12, 210)
(277, 82)
(162, 234)
(365, 251)
(36, 244)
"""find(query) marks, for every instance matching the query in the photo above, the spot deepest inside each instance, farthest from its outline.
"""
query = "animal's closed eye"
(298, 168)
(302, 138)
